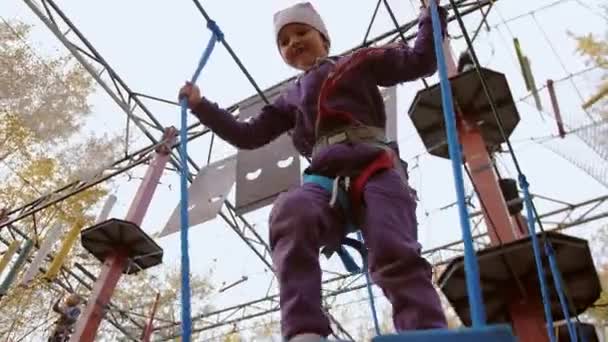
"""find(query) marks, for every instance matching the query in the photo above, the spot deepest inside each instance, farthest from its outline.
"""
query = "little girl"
(68, 315)
(337, 117)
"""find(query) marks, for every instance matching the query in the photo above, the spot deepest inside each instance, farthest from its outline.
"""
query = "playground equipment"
(486, 117)
(121, 245)
(479, 132)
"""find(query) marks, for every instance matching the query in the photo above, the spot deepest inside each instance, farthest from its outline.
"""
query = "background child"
(68, 315)
(337, 116)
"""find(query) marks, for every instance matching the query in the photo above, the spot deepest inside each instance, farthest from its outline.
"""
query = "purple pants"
(302, 221)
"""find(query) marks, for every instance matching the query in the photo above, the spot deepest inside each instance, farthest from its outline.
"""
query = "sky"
(154, 47)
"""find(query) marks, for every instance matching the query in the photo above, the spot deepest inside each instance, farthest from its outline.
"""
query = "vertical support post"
(147, 334)
(115, 263)
(527, 318)
(146, 190)
(111, 271)
(526, 312)
(477, 309)
(495, 210)
(520, 225)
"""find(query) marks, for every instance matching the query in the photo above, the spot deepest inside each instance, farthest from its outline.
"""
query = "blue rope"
(344, 202)
(557, 280)
(368, 283)
(186, 315)
(523, 183)
(582, 334)
(349, 263)
(470, 260)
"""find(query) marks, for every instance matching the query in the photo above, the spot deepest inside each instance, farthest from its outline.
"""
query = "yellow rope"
(67, 245)
(522, 64)
(8, 255)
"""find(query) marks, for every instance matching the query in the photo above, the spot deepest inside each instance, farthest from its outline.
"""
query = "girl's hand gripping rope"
(192, 92)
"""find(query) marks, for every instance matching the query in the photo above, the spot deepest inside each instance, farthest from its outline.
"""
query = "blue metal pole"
(470, 259)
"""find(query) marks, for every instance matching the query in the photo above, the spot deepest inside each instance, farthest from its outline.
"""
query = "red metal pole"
(150, 326)
(114, 264)
(526, 310)
(521, 225)
(144, 194)
(87, 326)
(525, 321)
(495, 210)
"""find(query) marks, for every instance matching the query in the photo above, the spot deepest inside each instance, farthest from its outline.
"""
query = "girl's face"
(301, 46)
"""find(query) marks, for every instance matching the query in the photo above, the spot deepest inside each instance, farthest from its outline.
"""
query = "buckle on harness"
(339, 191)
(351, 134)
(337, 138)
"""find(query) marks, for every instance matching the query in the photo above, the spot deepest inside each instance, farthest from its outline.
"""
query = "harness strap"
(351, 134)
(355, 132)
(348, 261)
(349, 200)
(335, 117)
(339, 196)
(386, 160)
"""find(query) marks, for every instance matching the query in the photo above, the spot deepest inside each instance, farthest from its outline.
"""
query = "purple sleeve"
(400, 63)
(56, 306)
(272, 121)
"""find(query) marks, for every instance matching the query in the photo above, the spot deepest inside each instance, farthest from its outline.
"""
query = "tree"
(43, 107)
(233, 337)
(595, 52)
(43, 146)
(599, 311)
(44, 98)
(135, 296)
(267, 329)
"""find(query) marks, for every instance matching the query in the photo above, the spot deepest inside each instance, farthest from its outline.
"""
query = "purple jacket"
(296, 108)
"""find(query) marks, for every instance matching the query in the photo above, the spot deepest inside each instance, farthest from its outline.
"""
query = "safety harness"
(347, 191)
(339, 195)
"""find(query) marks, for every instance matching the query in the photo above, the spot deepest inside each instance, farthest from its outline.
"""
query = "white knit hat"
(301, 13)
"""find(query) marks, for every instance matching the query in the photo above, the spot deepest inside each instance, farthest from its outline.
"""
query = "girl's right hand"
(192, 93)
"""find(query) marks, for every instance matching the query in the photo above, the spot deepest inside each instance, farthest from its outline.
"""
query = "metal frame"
(269, 304)
(131, 104)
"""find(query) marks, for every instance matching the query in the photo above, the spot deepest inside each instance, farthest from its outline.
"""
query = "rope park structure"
(554, 271)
